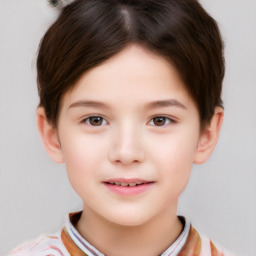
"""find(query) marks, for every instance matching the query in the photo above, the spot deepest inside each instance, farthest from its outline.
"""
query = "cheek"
(175, 149)
(173, 157)
(83, 156)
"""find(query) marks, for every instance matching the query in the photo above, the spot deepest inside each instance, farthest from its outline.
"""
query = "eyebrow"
(166, 103)
(88, 103)
(151, 105)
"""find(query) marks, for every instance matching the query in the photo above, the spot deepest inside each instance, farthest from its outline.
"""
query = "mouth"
(128, 186)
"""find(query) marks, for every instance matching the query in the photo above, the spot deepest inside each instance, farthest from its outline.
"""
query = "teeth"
(124, 184)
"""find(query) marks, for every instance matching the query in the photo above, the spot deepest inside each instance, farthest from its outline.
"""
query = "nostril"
(126, 157)
(126, 148)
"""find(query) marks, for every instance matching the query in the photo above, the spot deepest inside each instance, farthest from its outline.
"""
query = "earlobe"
(209, 137)
(49, 136)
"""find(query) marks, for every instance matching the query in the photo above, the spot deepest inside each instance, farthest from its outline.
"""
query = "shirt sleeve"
(208, 247)
(43, 246)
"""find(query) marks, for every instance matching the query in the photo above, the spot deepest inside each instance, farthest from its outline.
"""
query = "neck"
(149, 239)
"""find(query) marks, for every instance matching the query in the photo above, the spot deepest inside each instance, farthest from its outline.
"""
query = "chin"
(129, 220)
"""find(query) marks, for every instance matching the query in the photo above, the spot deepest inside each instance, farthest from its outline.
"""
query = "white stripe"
(173, 250)
(176, 247)
(79, 240)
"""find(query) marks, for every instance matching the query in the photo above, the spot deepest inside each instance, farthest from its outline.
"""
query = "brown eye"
(95, 121)
(160, 121)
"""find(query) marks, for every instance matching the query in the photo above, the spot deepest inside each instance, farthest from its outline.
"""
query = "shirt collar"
(78, 246)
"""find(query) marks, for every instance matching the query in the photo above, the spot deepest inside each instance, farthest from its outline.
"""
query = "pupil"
(96, 121)
(159, 121)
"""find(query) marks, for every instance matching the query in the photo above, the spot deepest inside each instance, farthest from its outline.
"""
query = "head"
(87, 33)
(130, 92)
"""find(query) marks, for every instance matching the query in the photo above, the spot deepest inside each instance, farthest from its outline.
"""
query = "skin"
(130, 118)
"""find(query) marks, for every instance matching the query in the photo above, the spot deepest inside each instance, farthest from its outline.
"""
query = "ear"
(49, 136)
(209, 137)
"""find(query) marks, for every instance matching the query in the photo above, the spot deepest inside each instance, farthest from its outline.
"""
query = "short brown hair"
(88, 32)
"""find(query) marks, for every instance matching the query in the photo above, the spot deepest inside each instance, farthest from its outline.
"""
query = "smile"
(128, 187)
(125, 184)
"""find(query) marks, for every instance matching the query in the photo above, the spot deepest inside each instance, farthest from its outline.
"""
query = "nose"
(126, 147)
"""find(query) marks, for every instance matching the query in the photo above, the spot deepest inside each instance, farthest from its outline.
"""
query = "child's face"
(129, 120)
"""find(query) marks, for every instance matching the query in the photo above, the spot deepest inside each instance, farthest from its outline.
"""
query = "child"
(130, 98)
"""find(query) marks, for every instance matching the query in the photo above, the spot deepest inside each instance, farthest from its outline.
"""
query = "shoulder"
(207, 245)
(43, 246)
(198, 244)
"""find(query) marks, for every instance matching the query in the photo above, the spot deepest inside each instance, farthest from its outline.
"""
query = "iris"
(54, 3)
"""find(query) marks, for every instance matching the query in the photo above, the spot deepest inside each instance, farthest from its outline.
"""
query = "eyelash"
(167, 121)
(103, 121)
(88, 120)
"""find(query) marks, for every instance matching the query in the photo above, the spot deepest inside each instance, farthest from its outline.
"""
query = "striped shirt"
(68, 242)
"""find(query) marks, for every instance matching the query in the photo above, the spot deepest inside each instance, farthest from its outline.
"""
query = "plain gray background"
(34, 192)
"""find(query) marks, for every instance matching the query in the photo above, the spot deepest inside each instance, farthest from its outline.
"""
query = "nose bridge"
(127, 146)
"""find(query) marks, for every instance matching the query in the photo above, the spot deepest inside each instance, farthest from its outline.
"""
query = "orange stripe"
(192, 246)
(72, 248)
(214, 251)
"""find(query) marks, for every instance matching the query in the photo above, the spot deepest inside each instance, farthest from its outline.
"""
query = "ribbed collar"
(188, 243)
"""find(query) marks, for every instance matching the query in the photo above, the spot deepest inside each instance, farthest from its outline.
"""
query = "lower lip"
(129, 191)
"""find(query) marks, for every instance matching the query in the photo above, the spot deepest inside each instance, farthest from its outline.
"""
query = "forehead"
(132, 76)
